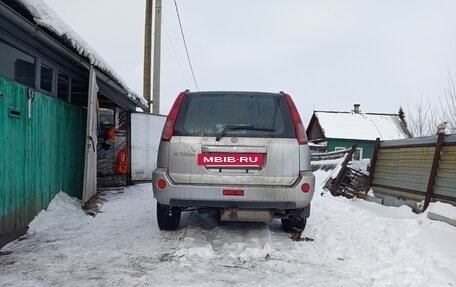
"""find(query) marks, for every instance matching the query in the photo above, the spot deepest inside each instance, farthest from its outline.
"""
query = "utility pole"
(157, 56)
(148, 54)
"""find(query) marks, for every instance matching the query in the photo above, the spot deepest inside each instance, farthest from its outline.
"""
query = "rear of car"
(244, 154)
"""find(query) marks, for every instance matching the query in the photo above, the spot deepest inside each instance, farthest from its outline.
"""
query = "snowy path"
(356, 243)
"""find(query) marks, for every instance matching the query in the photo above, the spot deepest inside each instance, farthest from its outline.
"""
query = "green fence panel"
(42, 153)
(13, 155)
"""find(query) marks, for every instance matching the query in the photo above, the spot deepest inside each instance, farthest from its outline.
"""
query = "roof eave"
(58, 45)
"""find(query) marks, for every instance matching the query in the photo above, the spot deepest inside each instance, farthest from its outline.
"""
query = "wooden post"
(148, 54)
(373, 163)
(433, 174)
(343, 170)
(129, 149)
(90, 162)
(157, 59)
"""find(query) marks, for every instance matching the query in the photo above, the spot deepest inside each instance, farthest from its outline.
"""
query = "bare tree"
(426, 115)
(423, 118)
(448, 105)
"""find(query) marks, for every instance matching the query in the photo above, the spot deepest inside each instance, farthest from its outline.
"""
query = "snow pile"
(64, 207)
(443, 209)
(360, 165)
(44, 16)
(356, 243)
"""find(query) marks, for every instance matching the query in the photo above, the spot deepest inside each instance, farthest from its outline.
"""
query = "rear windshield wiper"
(241, 127)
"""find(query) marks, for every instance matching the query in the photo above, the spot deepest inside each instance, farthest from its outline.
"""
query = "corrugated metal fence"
(415, 169)
(42, 153)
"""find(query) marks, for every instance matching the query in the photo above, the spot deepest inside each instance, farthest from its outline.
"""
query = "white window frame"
(358, 149)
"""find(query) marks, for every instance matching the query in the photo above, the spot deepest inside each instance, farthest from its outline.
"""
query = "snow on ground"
(356, 243)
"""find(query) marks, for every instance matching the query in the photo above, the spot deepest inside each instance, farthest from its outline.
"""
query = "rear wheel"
(293, 222)
(168, 218)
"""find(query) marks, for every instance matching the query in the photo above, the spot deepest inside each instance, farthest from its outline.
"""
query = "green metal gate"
(41, 153)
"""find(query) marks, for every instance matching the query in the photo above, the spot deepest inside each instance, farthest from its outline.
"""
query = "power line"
(185, 45)
(181, 69)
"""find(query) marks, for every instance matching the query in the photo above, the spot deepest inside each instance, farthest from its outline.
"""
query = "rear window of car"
(208, 113)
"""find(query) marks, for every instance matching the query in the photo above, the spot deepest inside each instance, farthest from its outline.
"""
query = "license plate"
(229, 159)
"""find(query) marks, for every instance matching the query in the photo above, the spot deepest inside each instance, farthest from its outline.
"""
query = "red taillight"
(233, 192)
(305, 187)
(161, 184)
(299, 126)
(168, 128)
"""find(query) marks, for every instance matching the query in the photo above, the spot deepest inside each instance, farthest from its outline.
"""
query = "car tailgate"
(234, 161)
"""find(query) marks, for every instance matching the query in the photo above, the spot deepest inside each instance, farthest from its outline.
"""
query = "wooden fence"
(42, 142)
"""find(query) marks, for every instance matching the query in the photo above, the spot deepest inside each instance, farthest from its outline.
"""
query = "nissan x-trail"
(242, 154)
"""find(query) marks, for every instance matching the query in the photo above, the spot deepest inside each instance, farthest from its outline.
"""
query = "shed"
(57, 99)
(339, 130)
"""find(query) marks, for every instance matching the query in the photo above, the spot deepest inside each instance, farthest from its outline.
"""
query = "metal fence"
(415, 169)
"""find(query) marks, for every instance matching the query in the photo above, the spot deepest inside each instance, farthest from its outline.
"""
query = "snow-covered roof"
(362, 126)
(45, 17)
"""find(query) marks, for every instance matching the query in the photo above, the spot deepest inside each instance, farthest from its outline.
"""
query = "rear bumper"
(255, 196)
(232, 204)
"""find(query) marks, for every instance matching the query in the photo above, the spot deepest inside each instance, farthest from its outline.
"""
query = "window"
(209, 113)
(358, 155)
(121, 119)
(116, 117)
(47, 74)
(63, 86)
(17, 65)
(79, 93)
(338, 148)
(106, 117)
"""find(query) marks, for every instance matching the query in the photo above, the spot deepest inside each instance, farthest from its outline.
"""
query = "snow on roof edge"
(361, 126)
(44, 16)
(352, 112)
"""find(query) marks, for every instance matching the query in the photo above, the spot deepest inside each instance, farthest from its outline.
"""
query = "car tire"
(289, 223)
(168, 220)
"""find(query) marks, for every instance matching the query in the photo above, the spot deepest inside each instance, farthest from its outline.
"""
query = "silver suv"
(242, 154)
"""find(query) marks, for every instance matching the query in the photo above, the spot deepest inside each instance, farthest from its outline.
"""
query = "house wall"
(367, 146)
(42, 153)
(314, 131)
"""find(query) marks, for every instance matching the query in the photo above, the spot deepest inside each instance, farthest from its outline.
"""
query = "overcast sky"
(327, 54)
